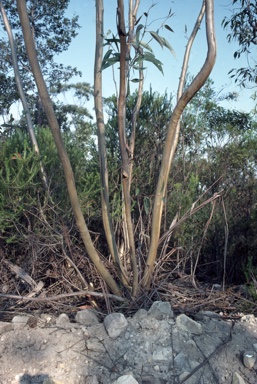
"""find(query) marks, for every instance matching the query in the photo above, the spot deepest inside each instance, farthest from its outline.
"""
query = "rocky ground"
(152, 347)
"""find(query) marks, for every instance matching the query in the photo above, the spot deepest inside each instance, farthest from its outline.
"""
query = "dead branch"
(62, 296)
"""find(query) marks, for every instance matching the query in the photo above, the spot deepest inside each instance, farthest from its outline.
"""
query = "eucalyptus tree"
(131, 52)
(52, 32)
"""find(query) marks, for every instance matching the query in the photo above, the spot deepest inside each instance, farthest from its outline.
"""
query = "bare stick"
(226, 244)
(62, 296)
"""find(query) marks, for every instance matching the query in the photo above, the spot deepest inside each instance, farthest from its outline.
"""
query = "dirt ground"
(45, 349)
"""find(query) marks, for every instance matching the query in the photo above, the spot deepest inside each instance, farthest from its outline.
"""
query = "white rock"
(249, 359)
(126, 379)
(237, 379)
(161, 310)
(86, 317)
(250, 319)
(20, 321)
(184, 323)
(115, 324)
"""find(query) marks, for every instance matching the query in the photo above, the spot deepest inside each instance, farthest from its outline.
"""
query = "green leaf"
(139, 59)
(162, 41)
(146, 46)
(138, 68)
(113, 40)
(136, 80)
(110, 61)
(157, 38)
(152, 59)
(168, 27)
(167, 45)
(107, 55)
(138, 33)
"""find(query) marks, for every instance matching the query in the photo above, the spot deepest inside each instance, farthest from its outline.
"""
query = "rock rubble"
(152, 347)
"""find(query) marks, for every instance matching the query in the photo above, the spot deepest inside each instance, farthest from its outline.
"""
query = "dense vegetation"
(210, 205)
(217, 153)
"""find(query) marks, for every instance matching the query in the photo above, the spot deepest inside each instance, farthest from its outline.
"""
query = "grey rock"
(63, 319)
(86, 317)
(255, 347)
(126, 379)
(140, 314)
(164, 354)
(205, 316)
(92, 380)
(96, 330)
(183, 375)
(181, 362)
(150, 379)
(5, 327)
(193, 364)
(115, 324)
(249, 359)
(190, 380)
(237, 379)
(95, 345)
(184, 323)
(161, 310)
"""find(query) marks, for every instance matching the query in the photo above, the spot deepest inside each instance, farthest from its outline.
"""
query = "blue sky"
(81, 51)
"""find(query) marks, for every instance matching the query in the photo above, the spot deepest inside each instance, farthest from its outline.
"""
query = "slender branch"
(226, 244)
(123, 141)
(21, 92)
(98, 99)
(55, 129)
(62, 296)
(172, 140)
(202, 241)
(188, 51)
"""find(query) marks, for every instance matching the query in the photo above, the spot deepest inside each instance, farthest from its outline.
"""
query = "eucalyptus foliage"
(243, 29)
(53, 33)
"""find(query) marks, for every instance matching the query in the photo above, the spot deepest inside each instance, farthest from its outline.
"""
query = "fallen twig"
(62, 296)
